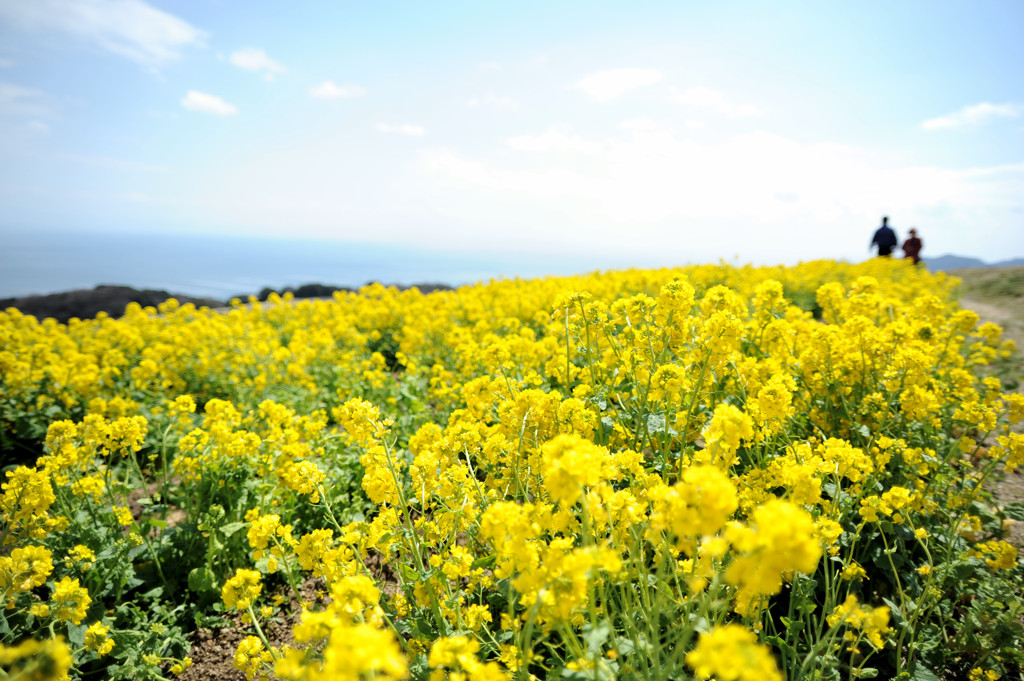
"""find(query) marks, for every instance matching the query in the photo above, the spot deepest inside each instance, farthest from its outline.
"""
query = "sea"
(222, 267)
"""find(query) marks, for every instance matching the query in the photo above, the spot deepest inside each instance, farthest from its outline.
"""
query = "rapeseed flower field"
(705, 472)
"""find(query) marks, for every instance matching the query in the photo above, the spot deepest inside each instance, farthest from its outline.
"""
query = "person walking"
(912, 247)
(885, 239)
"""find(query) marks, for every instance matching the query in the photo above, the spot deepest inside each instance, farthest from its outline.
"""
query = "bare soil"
(213, 650)
(997, 295)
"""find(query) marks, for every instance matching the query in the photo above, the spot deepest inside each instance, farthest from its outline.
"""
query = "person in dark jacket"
(885, 239)
(912, 247)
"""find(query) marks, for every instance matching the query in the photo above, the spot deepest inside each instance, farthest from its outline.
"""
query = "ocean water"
(222, 267)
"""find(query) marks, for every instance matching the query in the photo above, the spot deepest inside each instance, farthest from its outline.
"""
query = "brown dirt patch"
(213, 650)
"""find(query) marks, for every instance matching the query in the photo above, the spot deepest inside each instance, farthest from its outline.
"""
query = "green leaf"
(624, 646)
(76, 634)
(1014, 511)
(922, 673)
(153, 593)
(229, 529)
(897, 614)
(792, 626)
(656, 424)
(867, 673)
(595, 636)
(485, 561)
(201, 580)
(781, 645)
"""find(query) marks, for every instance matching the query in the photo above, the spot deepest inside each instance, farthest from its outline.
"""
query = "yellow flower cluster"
(545, 461)
(30, 659)
(70, 601)
(732, 653)
(27, 567)
(97, 638)
(240, 591)
(870, 623)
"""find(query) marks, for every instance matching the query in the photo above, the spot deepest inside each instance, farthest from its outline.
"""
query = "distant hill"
(957, 262)
(87, 303)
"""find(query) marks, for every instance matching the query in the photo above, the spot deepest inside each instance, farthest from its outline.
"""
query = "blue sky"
(639, 133)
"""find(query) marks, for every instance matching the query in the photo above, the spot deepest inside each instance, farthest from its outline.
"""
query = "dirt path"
(1007, 314)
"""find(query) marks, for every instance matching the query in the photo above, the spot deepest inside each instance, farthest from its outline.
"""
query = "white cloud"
(252, 59)
(130, 28)
(38, 126)
(402, 129)
(331, 90)
(206, 103)
(716, 102)
(112, 163)
(642, 124)
(759, 194)
(19, 101)
(555, 139)
(605, 86)
(496, 101)
(975, 114)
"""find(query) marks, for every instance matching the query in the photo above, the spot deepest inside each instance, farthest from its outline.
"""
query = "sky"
(641, 133)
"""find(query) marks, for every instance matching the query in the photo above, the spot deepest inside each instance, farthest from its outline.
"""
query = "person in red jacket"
(912, 247)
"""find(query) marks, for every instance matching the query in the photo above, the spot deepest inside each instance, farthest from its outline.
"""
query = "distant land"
(112, 299)
(959, 262)
(87, 303)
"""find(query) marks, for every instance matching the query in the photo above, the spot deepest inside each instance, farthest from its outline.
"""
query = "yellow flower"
(127, 434)
(31, 660)
(351, 595)
(180, 666)
(727, 428)
(572, 464)
(251, 657)
(699, 505)
(303, 477)
(124, 516)
(97, 639)
(26, 568)
(183, 404)
(70, 601)
(267, 529)
(27, 493)
(998, 554)
(89, 485)
(361, 651)
(873, 623)
(732, 653)
(312, 549)
(83, 556)
(853, 572)
(242, 589)
(780, 539)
